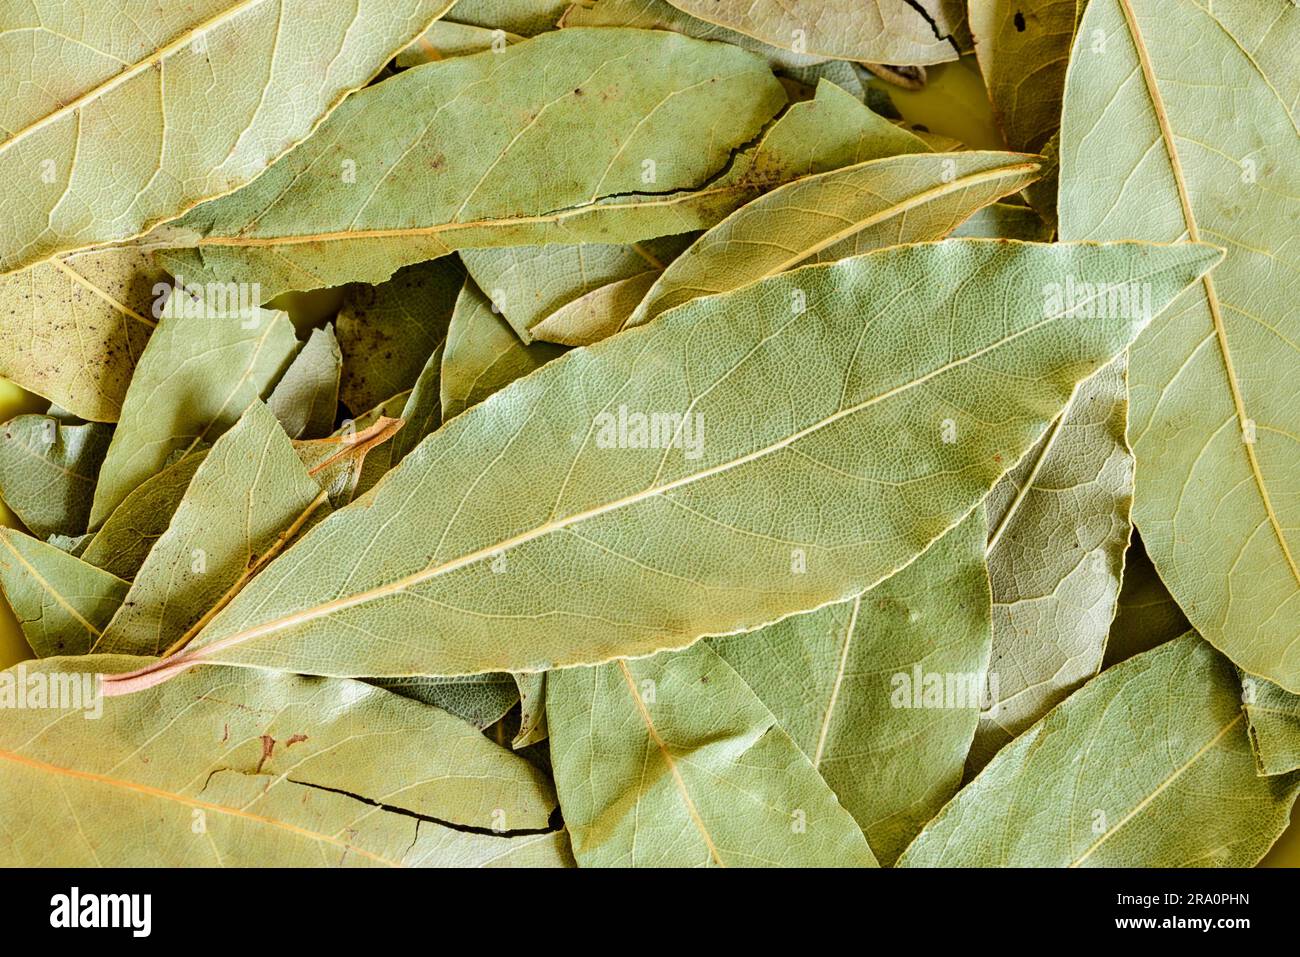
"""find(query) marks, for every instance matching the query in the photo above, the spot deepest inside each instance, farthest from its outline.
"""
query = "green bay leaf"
(388, 331)
(622, 548)
(72, 328)
(48, 470)
(672, 761)
(881, 202)
(121, 116)
(528, 283)
(1148, 765)
(1059, 527)
(245, 499)
(445, 39)
(483, 354)
(849, 683)
(1023, 47)
(123, 541)
(306, 399)
(1212, 413)
(1274, 717)
(61, 602)
(195, 378)
(482, 700)
(877, 31)
(446, 156)
(525, 17)
(264, 770)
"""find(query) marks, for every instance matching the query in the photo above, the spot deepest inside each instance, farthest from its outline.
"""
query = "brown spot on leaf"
(268, 746)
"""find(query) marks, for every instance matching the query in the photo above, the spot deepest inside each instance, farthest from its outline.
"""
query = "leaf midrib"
(161, 794)
(1159, 789)
(133, 70)
(47, 587)
(691, 810)
(1211, 296)
(914, 200)
(345, 235)
(161, 671)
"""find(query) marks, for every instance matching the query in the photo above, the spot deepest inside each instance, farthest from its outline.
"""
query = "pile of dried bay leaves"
(507, 432)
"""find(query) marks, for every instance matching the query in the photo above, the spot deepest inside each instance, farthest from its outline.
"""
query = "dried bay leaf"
(1274, 718)
(831, 130)
(220, 88)
(1023, 47)
(306, 399)
(436, 154)
(387, 332)
(469, 581)
(422, 412)
(1213, 410)
(597, 315)
(376, 464)
(525, 17)
(446, 39)
(483, 354)
(882, 202)
(1006, 221)
(1146, 614)
(848, 682)
(878, 31)
(283, 770)
(62, 602)
(1059, 527)
(48, 469)
(482, 700)
(195, 378)
(1147, 765)
(528, 283)
(662, 15)
(249, 495)
(672, 761)
(532, 709)
(72, 328)
(123, 541)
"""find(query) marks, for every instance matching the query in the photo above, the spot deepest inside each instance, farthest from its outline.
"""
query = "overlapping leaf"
(1059, 527)
(245, 501)
(870, 354)
(265, 770)
(448, 155)
(73, 327)
(61, 602)
(48, 470)
(196, 377)
(119, 116)
(902, 199)
(306, 398)
(1213, 408)
(1148, 765)
(387, 332)
(877, 31)
(854, 685)
(672, 761)
(483, 354)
